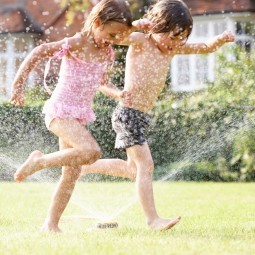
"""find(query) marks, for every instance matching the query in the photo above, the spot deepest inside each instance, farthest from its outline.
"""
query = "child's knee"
(93, 151)
(148, 167)
(93, 155)
(145, 167)
(133, 173)
(96, 154)
(132, 170)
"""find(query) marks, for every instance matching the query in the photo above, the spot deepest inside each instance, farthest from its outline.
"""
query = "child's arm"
(33, 58)
(111, 91)
(136, 38)
(142, 24)
(203, 48)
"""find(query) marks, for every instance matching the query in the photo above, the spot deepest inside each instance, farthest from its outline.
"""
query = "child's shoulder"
(76, 41)
(138, 38)
(78, 37)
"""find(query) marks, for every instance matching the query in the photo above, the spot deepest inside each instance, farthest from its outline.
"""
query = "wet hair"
(109, 11)
(168, 15)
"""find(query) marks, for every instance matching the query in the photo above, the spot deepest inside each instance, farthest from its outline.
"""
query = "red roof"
(48, 18)
(42, 16)
(200, 7)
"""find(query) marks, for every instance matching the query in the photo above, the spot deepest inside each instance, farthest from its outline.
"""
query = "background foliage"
(138, 8)
(214, 126)
(205, 135)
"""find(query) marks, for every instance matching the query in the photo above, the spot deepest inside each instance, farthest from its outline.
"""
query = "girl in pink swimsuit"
(75, 91)
(85, 59)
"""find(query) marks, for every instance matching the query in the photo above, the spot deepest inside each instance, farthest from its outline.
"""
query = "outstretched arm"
(33, 58)
(112, 91)
(208, 47)
(142, 24)
(134, 37)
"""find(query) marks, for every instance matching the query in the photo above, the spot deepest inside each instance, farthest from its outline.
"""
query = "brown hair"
(109, 11)
(167, 15)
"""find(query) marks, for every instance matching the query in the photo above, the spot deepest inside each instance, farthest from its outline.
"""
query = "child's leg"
(62, 194)
(83, 149)
(114, 167)
(142, 158)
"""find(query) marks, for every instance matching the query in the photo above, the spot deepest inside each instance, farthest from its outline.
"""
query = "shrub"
(201, 130)
(202, 126)
(243, 157)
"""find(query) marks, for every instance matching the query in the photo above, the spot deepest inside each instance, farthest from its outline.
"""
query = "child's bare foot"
(164, 224)
(47, 227)
(29, 167)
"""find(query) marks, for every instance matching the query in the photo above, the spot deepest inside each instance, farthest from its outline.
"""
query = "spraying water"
(214, 143)
(108, 209)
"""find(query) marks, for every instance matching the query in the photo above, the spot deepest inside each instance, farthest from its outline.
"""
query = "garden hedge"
(205, 135)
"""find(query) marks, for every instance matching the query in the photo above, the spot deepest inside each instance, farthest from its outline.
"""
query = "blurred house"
(27, 23)
(191, 72)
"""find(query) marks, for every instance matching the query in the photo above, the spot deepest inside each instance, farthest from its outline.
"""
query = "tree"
(138, 8)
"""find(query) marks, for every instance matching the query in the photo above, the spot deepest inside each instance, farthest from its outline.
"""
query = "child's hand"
(125, 97)
(17, 99)
(143, 24)
(227, 36)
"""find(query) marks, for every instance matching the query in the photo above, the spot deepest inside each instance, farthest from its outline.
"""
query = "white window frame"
(230, 24)
(10, 56)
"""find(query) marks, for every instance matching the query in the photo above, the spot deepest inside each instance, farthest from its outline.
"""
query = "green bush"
(22, 130)
(36, 96)
(208, 134)
(202, 126)
(243, 157)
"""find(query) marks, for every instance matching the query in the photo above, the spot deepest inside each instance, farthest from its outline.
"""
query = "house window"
(3, 76)
(200, 68)
(13, 50)
(183, 64)
(245, 34)
(3, 66)
(192, 72)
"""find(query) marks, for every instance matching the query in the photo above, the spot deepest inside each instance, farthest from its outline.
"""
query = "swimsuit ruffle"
(60, 110)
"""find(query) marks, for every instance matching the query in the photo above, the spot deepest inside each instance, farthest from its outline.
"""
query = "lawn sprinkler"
(104, 225)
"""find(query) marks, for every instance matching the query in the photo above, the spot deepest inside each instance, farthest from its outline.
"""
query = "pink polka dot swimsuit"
(77, 85)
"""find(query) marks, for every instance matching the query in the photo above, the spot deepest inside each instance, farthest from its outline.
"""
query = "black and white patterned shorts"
(131, 126)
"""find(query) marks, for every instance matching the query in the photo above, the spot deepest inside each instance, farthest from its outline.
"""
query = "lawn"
(217, 218)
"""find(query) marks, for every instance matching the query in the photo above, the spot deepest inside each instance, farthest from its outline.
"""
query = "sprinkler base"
(103, 225)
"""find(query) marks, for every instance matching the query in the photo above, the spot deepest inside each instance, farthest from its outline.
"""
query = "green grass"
(217, 218)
